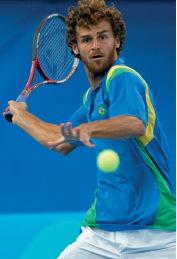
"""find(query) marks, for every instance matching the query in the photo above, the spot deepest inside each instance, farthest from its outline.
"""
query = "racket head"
(55, 62)
(51, 56)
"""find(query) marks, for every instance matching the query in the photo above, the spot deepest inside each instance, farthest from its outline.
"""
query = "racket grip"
(20, 98)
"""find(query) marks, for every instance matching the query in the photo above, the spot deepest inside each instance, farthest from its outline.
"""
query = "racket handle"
(20, 98)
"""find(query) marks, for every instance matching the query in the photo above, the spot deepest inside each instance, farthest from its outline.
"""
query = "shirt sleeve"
(79, 117)
(127, 96)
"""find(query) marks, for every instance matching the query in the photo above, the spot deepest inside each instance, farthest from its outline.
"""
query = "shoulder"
(119, 73)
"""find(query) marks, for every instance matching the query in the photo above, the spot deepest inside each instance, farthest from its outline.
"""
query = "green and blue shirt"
(138, 195)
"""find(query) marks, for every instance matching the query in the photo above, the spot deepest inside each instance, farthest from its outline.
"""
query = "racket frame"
(36, 64)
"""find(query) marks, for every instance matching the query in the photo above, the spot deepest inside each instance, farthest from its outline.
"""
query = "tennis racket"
(51, 56)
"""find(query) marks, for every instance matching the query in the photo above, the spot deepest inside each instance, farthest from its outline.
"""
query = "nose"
(95, 45)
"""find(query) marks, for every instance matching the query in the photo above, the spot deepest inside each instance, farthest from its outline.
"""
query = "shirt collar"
(119, 61)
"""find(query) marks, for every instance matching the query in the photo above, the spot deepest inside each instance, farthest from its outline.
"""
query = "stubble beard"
(99, 68)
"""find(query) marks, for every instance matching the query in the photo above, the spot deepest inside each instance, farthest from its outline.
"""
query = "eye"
(86, 40)
(103, 37)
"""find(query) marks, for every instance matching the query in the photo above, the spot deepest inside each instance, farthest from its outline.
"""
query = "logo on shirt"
(102, 110)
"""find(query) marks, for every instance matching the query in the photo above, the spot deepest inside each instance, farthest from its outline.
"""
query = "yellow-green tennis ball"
(108, 161)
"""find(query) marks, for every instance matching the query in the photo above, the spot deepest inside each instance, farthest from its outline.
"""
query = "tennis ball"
(108, 161)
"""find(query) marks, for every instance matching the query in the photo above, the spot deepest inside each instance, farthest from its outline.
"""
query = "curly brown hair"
(91, 12)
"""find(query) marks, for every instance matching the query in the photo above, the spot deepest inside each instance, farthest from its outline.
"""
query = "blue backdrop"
(34, 179)
(36, 183)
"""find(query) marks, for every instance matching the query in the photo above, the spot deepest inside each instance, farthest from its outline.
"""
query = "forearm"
(41, 131)
(121, 127)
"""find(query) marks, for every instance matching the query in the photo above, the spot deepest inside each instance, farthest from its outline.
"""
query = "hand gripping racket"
(51, 56)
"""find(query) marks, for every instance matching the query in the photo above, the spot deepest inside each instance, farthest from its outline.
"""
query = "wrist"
(19, 118)
(87, 127)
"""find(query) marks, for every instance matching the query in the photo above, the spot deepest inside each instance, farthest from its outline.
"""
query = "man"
(133, 215)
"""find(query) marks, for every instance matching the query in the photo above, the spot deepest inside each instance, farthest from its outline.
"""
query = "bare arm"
(122, 127)
(41, 131)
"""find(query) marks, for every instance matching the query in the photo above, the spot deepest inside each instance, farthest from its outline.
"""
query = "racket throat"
(32, 73)
(26, 93)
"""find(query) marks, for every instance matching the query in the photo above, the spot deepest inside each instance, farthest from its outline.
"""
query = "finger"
(69, 128)
(86, 141)
(77, 133)
(89, 144)
(6, 110)
(63, 131)
(10, 102)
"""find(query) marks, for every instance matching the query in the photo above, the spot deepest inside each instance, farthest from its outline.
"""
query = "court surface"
(37, 236)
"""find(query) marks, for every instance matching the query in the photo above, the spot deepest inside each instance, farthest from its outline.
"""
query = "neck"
(94, 79)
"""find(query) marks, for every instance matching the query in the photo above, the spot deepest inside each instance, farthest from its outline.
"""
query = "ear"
(75, 49)
(117, 42)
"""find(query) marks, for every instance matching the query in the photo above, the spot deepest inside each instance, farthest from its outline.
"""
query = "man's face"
(97, 47)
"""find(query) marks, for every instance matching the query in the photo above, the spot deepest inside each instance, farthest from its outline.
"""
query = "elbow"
(140, 129)
(142, 132)
(62, 151)
(137, 128)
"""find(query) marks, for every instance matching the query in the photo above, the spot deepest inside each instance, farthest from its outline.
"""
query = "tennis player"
(133, 214)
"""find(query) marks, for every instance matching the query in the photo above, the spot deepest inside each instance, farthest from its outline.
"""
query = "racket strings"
(55, 57)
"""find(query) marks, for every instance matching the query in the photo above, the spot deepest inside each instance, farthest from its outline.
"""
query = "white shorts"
(94, 243)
